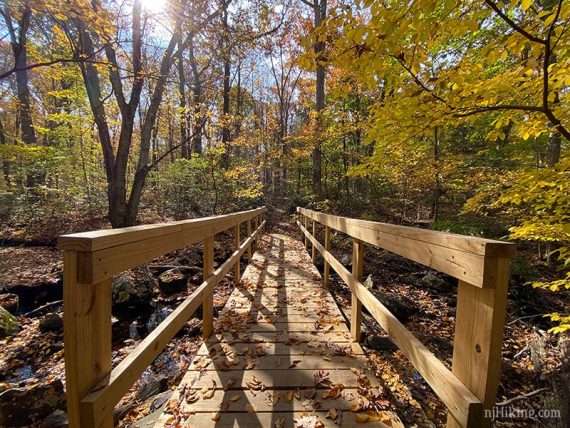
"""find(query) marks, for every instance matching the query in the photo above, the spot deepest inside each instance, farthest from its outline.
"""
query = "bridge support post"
(208, 301)
(327, 266)
(356, 305)
(479, 325)
(237, 241)
(87, 339)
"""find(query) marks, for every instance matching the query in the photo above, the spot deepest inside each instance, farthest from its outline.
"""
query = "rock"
(172, 281)
(153, 385)
(380, 343)
(431, 280)
(51, 322)
(57, 419)
(10, 302)
(346, 260)
(133, 288)
(402, 307)
(9, 324)
(191, 257)
(121, 411)
(24, 406)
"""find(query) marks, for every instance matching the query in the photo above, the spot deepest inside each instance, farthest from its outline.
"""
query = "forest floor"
(534, 371)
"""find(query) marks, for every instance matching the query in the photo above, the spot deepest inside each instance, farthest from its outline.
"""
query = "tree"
(320, 13)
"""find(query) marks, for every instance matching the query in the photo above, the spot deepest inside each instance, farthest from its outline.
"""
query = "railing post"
(249, 246)
(237, 241)
(479, 325)
(327, 248)
(208, 302)
(307, 228)
(356, 305)
(313, 249)
(87, 338)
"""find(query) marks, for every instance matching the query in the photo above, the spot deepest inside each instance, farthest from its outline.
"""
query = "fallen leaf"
(249, 407)
(294, 363)
(361, 417)
(332, 414)
(235, 398)
(215, 416)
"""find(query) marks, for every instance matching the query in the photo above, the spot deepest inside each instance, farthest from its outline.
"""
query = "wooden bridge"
(280, 352)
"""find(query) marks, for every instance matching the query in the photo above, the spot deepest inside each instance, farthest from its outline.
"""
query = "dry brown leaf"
(361, 417)
(289, 396)
(215, 416)
(249, 407)
(280, 422)
(294, 363)
(310, 392)
(332, 414)
(235, 398)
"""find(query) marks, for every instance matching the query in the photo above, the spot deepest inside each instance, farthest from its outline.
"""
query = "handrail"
(482, 267)
(90, 261)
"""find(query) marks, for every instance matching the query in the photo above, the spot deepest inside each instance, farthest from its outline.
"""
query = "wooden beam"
(99, 403)
(463, 257)
(326, 269)
(87, 340)
(479, 325)
(208, 302)
(98, 265)
(101, 239)
(356, 304)
(461, 402)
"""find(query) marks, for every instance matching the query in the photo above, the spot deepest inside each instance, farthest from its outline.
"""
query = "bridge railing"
(482, 268)
(90, 261)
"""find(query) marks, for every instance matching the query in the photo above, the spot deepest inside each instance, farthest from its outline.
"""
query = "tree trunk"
(226, 137)
(320, 11)
(185, 149)
(197, 101)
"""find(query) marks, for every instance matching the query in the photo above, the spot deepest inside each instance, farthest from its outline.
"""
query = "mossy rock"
(9, 324)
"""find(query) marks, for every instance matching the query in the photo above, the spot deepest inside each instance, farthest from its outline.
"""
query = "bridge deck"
(280, 352)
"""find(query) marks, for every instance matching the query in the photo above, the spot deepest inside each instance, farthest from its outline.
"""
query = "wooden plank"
(460, 256)
(288, 327)
(356, 305)
(460, 401)
(260, 337)
(326, 269)
(276, 362)
(104, 263)
(317, 348)
(108, 238)
(87, 341)
(274, 379)
(478, 340)
(452, 241)
(283, 419)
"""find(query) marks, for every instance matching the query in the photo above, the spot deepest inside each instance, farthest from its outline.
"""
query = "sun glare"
(154, 6)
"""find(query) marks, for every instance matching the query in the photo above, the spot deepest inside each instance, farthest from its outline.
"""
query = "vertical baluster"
(249, 246)
(356, 305)
(237, 241)
(313, 249)
(208, 302)
(327, 248)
